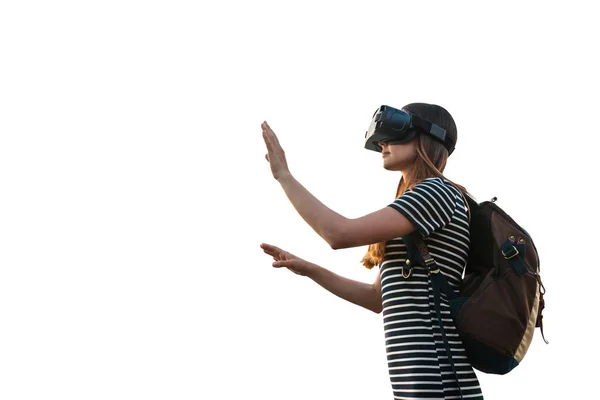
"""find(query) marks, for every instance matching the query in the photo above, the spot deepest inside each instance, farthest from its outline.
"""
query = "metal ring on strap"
(408, 274)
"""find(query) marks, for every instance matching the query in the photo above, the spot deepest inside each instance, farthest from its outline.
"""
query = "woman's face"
(398, 157)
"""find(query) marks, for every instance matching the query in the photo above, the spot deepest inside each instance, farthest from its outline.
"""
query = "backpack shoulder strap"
(440, 284)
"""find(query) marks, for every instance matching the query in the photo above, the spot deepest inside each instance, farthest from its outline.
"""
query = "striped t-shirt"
(417, 361)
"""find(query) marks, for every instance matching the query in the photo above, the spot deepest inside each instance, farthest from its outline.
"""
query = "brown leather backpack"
(501, 297)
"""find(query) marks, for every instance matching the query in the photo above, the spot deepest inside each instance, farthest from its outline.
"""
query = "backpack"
(501, 296)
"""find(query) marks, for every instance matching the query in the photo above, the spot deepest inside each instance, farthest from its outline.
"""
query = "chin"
(389, 167)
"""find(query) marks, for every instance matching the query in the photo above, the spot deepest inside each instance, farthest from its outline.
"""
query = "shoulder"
(437, 193)
(430, 205)
(430, 194)
(436, 186)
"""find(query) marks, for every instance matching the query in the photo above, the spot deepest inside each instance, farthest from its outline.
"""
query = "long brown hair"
(430, 162)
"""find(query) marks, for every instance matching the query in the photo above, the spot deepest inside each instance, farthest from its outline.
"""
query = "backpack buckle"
(428, 263)
(512, 253)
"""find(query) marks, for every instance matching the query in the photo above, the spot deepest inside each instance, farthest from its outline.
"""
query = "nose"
(382, 144)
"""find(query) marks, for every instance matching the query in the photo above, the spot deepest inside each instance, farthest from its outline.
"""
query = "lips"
(384, 154)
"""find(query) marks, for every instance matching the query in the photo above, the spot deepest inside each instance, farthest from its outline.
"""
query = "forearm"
(359, 293)
(327, 223)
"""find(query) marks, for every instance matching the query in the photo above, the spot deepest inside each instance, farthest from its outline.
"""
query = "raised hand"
(275, 154)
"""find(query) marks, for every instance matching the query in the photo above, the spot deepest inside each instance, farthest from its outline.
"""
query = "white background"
(134, 192)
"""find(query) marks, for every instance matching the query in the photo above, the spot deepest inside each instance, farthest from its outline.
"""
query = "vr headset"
(393, 126)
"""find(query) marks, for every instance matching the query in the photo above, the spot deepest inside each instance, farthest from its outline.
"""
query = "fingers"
(268, 141)
(266, 246)
(266, 128)
(271, 250)
(281, 257)
(268, 133)
(284, 263)
(275, 153)
(284, 259)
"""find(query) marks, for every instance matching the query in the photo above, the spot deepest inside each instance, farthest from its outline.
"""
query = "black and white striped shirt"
(417, 361)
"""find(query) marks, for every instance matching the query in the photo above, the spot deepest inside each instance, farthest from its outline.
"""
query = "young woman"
(426, 202)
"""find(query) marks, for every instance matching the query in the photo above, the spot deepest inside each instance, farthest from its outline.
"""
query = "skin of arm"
(341, 232)
(359, 293)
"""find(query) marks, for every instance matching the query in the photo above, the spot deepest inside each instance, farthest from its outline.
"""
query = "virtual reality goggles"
(393, 126)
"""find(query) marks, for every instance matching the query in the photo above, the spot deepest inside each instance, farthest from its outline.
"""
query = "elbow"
(345, 234)
(337, 236)
(377, 302)
(335, 245)
(338, 244)
(339, 239)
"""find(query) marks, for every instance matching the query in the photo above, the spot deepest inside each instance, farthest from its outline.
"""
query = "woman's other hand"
(286, 259)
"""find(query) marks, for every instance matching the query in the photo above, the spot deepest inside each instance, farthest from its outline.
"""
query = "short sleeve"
(429, 206)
